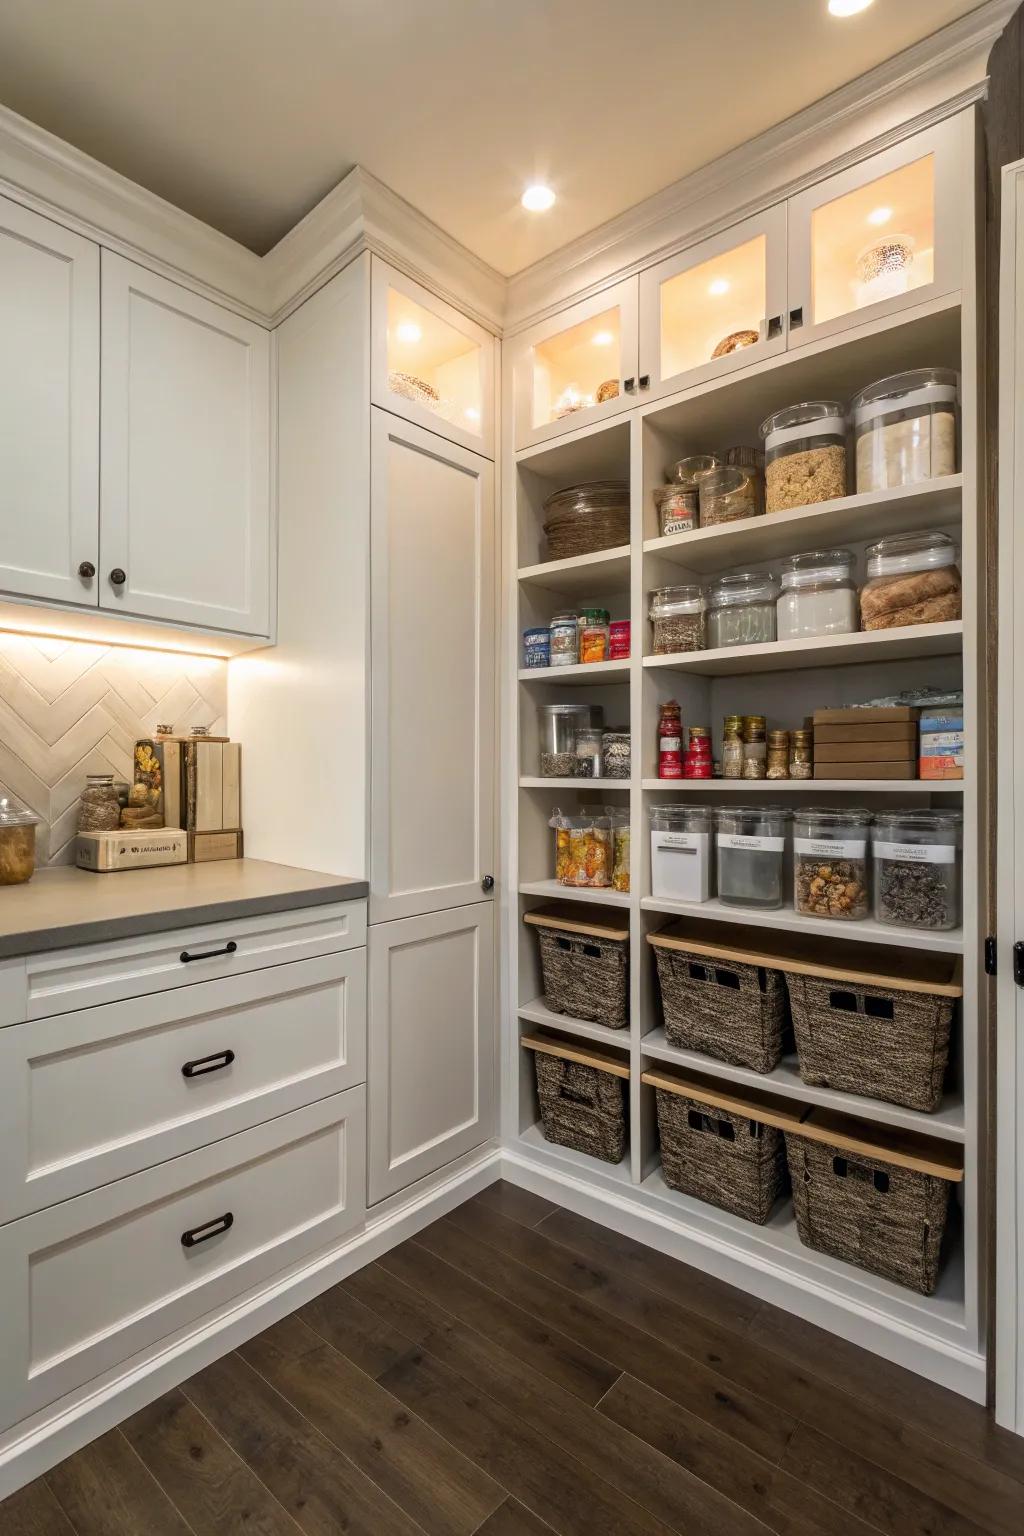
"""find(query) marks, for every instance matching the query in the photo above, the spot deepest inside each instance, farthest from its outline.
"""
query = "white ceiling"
(246, 112)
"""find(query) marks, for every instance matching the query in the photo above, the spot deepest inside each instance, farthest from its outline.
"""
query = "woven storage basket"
(720, 1006)
(855, 1203)
(585, 968)
(585, 518)
(729, 1160)
(582, 1106)
(883, 1041)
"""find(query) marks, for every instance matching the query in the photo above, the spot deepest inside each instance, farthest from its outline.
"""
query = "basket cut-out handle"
(843, 1167)
(842, 1001)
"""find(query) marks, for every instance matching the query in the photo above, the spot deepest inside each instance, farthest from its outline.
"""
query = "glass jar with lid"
(830, 862)
(804, 454)
(689, 471)
(595, 635)
(917, 857)
(564, 642)
(17, 844)
(677, 614)
(751, 852)
(741, 609)
(819, 595)
(677, 507)
(589, 747)
(729, 494)
(905, 428)
(682, 842)
(99, 808)
(913, 578)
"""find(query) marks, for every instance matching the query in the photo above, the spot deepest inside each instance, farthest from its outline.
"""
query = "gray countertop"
(65, 906)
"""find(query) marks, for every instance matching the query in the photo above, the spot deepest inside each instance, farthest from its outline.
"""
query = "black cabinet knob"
(118, 577)
(645, 381)
(487, 883)
(87, 570)
(629, 385)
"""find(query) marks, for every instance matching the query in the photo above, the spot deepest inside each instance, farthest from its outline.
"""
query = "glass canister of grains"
(778, 755)
(670, 741)
(732, 747)
(830, 862)
(819, 595)
(917, 857)
(755, 747)
(677, 614)
(804, 454)
(741, 609)
(751, 843)
(801, 755)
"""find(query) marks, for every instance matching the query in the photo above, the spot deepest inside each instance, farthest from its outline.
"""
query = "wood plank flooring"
(516, 1370)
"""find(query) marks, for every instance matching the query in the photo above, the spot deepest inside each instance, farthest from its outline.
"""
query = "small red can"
(618, 644)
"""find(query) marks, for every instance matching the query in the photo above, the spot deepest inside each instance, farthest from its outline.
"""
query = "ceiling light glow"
(719, 286)
(409, 331)
(538, 198)
(471, 413)
(602, 339)
(847, 7)
(879, 215)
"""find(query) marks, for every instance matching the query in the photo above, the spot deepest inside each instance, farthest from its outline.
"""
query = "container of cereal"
(677, 614)
(905, 428)
(830, 862)
(917, 857)
(750, 844)
(804, 454)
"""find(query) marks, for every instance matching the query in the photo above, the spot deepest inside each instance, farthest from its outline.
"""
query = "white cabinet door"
(49, 408)
(185, 485)
(433, 608)
(432, 1023)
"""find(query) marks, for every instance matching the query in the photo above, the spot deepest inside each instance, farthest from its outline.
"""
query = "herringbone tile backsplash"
(68, 708)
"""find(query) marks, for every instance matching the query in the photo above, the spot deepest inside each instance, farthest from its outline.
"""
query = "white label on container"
(696, 841)
(831, 848)
(752, 844)
(917, 853)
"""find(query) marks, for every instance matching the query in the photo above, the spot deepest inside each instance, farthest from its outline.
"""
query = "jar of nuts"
(804, 454)
(830, 862)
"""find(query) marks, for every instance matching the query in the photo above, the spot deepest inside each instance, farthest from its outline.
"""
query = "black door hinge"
(990, 955)
(1018, 963)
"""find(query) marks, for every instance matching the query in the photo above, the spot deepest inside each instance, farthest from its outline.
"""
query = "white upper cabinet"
(879, 237)
(717, 306)
(429, 363)
(185, 484)
(576, 368)
(49, 409)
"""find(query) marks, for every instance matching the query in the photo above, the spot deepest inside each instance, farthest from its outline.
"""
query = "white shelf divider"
(874, 645)
(586, 674)
(538, 1012)
(555, 890)
(865, 931)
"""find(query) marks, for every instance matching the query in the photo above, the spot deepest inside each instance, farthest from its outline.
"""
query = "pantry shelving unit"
(941, 1336)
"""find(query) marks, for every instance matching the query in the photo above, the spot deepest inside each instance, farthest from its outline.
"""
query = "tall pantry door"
(432, 707)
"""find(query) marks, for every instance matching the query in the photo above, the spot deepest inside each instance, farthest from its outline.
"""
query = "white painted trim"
(31, 1449)
(621, 1209)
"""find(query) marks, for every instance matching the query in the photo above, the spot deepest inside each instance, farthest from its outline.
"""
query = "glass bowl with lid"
(913, 578)
(804, 454)
(17, 844)
(905, 428)
(819, 595)
(741, 609)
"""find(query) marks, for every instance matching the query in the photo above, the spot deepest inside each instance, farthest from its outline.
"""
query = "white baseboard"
(623, 1210)
(32, 1448)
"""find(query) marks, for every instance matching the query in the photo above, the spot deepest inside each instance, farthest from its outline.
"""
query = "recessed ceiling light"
(602, 339)
(538, 198)
(719, 286)
(847, 7)
(409, 331)
(879, 215)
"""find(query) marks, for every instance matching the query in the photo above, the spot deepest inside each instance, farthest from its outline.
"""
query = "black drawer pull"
(207, 1230)
(209, 954)
(204, 1064)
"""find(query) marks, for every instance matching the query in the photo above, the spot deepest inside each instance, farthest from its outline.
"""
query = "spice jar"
(732, 747)
(755, 750)
(557, 727)
(670, 741)
(594, 634)
(751, 845)
(681, 844)
(778, 755)
(741, 609)
(677, 508)
(589, 739)
(804, 454)
(677, 614)
(830, 862)
(913, 578)
(697, 763)
(615, 754)
(99, 807)
(905, 428)
(583, 848)
(819, 596)
(537, 646)
(565, 640)
(619, 823)
(801, 755)
(619, 640)
(729, 494)
(917, 858)
(17, 844)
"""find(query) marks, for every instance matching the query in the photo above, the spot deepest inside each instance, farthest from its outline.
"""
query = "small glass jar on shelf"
(670, 741)
(677, 614)
(589, 748)
(564, 645)
(583, 848)
(732, 747)
(595, 637)
(618, 821)
(819, 595)
(755, 747)
(801, 754)
(677, 507)
(778, 755)
(741, 609)
(698, 764)
(729, 495)
(804, 454)
(616, 755)
(913, 578)
(905, 428)
(830, 862)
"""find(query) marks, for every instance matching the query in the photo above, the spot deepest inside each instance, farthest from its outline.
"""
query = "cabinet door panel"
(432, 706)
(49, 407)
(431, 1061)
(185, 488)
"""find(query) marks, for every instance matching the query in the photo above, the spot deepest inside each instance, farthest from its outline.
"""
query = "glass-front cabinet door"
(717, 306)
(577, 367)
(431, 364)
(881, 236)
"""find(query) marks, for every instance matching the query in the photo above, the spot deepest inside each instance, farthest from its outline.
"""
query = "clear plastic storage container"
(751, 854)
(819, 595)
(917, 875)
(830, 862)
(583, 848)
(905, 428)
(677, 614)
(804, 454)
(682, 846)
(729, 494)
(913, 578)
(741, 609)
(17, 844)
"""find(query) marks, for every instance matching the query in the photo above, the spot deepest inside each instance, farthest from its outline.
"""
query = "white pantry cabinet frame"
(771, 223)
(384, 277)
(946, 142)
(80, 514)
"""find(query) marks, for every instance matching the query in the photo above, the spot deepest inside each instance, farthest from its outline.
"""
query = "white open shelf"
(795, 786)
(538, 1012)
(532, 1139)
(947, 1122)
(590, 674)
(555, 890)
(867, 930)
(535, 781)
(603, 571)
(915, 640)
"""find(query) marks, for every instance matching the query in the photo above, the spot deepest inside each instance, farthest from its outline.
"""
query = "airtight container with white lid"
(905, 428)
(818, 595)
(682, 847)
(913, 578)
(804, 454)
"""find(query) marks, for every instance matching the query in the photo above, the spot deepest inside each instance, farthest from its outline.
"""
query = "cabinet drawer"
(94, 1095)
(105, 973)
(88, 1283)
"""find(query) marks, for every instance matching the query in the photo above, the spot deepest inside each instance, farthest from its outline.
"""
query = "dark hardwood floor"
(516, 1370)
